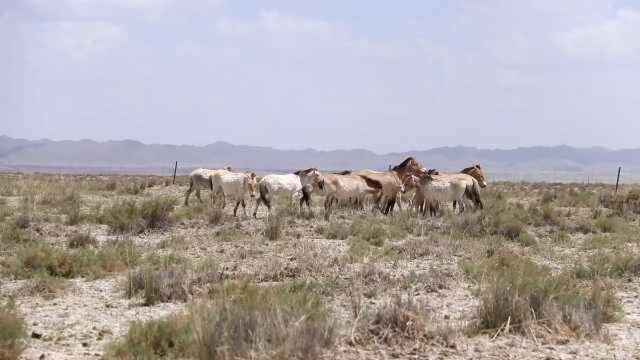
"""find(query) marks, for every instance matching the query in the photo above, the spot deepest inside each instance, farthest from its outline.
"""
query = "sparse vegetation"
(541, 259)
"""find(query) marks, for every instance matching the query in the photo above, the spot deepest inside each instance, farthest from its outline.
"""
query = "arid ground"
(117, 267)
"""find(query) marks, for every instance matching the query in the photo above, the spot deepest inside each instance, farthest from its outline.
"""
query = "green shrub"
(12, 332)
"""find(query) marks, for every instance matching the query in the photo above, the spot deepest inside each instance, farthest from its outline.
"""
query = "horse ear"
(478, 166)
(297, 172)
(253, 175)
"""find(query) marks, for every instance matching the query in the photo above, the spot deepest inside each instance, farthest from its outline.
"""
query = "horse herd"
(353, 186)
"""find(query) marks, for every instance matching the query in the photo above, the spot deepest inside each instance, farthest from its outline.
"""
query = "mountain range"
(555, 163)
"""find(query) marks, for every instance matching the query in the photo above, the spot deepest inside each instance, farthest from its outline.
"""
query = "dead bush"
(128, 217)
(273, 227)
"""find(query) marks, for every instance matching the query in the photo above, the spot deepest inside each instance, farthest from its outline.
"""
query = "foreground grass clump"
(42, 258)
(239, 322)
(399, 321)
(12, 332)
(518, 295)
(129, 217)
(158, 285)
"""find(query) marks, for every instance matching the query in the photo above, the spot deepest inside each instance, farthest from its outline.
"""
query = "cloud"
(615, 39)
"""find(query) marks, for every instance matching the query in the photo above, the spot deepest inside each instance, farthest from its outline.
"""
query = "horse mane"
(345, 172)
(468, 170)
(301, 172)
(403, 164)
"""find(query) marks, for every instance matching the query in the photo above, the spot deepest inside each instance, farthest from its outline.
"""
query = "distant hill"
(557, 163)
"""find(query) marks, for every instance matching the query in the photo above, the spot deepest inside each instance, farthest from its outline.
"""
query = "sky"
(326, 74)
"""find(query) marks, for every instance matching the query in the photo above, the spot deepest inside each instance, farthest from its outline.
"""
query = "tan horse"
(201, 179)
(390, 182)
(338, 187)
(448, 187)
(476, 172)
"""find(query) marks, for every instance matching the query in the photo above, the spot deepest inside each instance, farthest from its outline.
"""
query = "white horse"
(201, 179)
(298, 185)
(236, 185)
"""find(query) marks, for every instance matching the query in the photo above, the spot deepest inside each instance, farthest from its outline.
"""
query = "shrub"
(165, 284)
(170, 338)
(81, 240)
(240, 321)
(517, 291)
(273, 229)
(278, 323)
(42, 258)
(610, 224)
(12, 332)
(398, 321)
(12, 234)
(215, 216)
(369, 230)
(127, 217)
(614, 265)
(335, 231)
(70, 207)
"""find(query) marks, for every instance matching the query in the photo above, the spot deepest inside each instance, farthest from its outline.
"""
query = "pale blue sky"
(381, 75)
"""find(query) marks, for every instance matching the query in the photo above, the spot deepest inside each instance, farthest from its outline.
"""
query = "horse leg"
(198, 195)
(236, 208)
(244, 207)
(255, 210)
(186, 198)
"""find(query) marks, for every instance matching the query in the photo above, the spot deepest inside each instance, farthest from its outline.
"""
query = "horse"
(300, 185)
(337, 187)
(201, 179)
(390, 182)
(236, 185)
(477, 173)
(446, 187)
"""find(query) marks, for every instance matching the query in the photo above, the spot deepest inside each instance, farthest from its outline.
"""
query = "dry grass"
(12, 332)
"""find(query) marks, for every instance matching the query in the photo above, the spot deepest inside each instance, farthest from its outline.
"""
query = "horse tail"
(372, 183)
(475, 195)
(265, 190)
